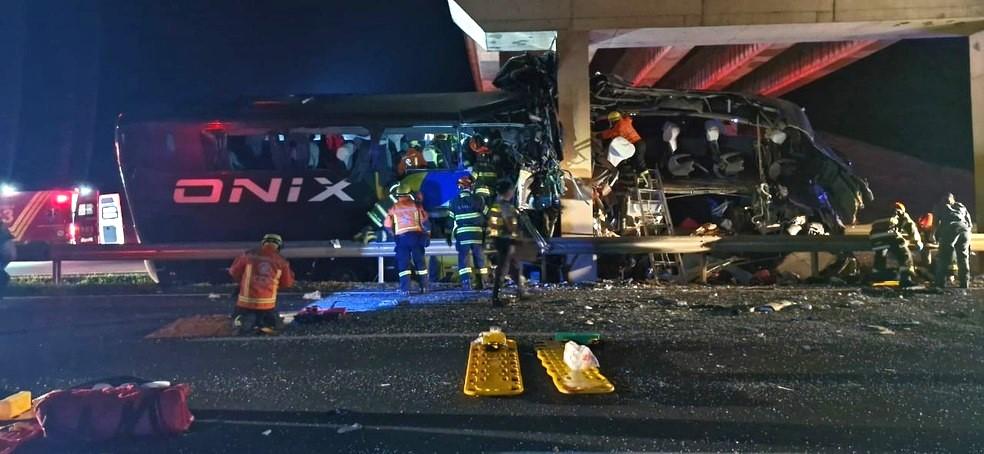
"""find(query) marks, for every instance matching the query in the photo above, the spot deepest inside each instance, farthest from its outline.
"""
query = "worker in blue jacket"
(469, 213)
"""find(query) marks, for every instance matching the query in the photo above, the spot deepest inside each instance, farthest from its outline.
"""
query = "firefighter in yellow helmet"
(408, 222)
(261, 273)
(893, 236)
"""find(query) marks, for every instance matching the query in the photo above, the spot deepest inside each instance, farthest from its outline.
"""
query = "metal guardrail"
(558, 246)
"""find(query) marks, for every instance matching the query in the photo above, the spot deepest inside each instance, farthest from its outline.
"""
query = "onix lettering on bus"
(213, 190)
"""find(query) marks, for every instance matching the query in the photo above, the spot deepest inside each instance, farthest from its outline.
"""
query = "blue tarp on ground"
(374, 301)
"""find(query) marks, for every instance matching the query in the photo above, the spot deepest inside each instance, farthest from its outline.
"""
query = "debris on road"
(312, 296)
(350, 428)
(214, 296)
(266, 433)
(773, 307)
(878, 329)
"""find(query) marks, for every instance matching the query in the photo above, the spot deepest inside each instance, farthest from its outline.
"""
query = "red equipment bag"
(94, 415)
(17, 434)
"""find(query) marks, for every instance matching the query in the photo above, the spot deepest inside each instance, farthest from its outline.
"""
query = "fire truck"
(78, 215)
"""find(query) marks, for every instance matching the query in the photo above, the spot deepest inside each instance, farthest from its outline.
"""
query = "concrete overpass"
(767, 47)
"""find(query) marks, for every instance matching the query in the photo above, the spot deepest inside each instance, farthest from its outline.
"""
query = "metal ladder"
(648, 215)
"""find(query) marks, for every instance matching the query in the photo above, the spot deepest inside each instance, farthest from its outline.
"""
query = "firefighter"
(484, 167)
(7, 254)
(377, 216)
(413, 159)
(261, 273)
(953, 226)
(892, 236)
(469, 211)
(408, 222)
(504, 233)
(621, 126)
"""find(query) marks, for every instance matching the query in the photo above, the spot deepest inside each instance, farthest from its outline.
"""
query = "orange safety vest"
(624, 129)
(414, 159)
(261, 272)
(405, 217)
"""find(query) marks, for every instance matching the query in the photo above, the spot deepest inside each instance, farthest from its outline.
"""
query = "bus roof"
(401, 109)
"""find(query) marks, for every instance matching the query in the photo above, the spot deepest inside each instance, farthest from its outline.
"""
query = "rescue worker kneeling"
(892, 236)
(260, 273)
(408, 222)
(469, 211)
(504, 232)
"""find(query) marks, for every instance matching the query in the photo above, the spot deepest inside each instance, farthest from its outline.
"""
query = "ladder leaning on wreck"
(647, 215)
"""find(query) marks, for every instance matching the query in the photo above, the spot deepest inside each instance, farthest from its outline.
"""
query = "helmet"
(414, 144)
(899, 206)
(274, 239)
(478, 144)
(614, 116)
(465, 181)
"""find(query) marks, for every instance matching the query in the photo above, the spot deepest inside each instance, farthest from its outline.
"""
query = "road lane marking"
(373, 336)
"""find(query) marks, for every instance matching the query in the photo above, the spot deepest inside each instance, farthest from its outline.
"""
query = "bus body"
(307, 168)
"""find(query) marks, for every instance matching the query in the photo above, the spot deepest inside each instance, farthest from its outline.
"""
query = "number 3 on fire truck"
(7, 216)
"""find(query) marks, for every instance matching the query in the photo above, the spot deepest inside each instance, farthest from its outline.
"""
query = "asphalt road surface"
(694, 370)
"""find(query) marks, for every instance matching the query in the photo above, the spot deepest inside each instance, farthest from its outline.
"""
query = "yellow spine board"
(567, 381)
(15, 405)
(493, 372)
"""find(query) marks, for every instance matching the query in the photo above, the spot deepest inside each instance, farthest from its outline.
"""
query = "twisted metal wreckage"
(721, 163)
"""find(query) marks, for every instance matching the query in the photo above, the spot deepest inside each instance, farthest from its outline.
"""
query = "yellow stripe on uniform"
(244, 283)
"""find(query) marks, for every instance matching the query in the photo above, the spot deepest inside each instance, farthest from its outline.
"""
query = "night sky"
(70, 66)
(85, 61)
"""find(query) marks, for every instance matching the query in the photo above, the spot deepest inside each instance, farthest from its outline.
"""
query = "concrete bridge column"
(977, 119)
(574, 102)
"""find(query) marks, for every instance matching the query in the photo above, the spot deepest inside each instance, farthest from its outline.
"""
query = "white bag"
(579, 357)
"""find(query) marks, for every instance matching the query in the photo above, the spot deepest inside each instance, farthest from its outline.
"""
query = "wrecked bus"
(307, 167)
(312, 167)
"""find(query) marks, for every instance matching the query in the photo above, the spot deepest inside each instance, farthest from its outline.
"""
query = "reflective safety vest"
(503, 220)
(406, 217)
(377, 215)
(894, 231)
(624, 129)
(413, 159)
(485, 172)
(261, 273)
(468, 211)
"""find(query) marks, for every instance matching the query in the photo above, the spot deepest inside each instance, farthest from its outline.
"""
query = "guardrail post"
(703, 269)
(380, 269)
(56, 271)
(814, 264)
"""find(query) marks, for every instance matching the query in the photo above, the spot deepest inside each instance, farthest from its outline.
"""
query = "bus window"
(251, 148)
(437, 146)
